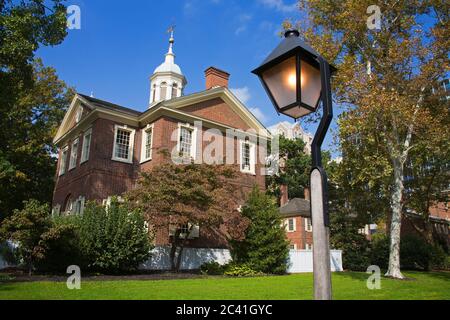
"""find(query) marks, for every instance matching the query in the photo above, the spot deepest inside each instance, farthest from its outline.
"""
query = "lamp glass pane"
(296, 112)
(282, 82)
(311, 84)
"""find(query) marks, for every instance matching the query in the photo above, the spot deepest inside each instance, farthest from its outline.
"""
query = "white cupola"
(167, 81)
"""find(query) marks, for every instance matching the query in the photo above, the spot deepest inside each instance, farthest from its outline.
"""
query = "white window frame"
(252, 157)
(193, 142)
(294, 245)
(130, 147)
(288, 227)
(308, 225)
(144, 143)
(63, 160)
(74, 155)
(308, 246)
(86, 153)
(56, 211)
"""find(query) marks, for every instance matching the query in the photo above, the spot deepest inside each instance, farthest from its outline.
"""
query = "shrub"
(64, 250)
(415, 253)
(212, 268)
(265, 248)
(344, 236)
(113, 239)
(439, 259)
(241, 270)
(9, 254)
(379, 254)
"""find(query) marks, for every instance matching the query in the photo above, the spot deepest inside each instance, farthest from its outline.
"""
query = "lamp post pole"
(319, 196)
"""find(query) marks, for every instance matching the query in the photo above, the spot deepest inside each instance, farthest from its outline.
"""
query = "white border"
(130, 148)
(144, 140)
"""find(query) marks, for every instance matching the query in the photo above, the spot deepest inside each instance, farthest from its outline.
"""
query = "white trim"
(288, 227)
(130, 147)
(308, 225)
(85, 155)
(193, 142)
(79, 114)
(74, 155)
(252, 157)
(144, 143)
(63, 161)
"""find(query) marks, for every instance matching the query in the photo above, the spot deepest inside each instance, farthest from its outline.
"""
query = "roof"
(109, 105)
(296, 207)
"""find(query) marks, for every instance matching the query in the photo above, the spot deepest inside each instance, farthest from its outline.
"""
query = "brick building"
(104, 147)
(296, 216)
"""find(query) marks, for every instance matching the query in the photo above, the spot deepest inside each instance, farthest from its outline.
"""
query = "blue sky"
(121, 43)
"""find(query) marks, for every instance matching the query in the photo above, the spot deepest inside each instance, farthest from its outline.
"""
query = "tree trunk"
(179, 258)
(396, 222)
(173, 251)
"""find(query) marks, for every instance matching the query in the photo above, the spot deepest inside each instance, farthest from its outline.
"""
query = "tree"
(113, 238)
(387, 81)
(32, 100)
(181, 197)
(294, 173)
(31, 228)
(27, 128)
(265, 247)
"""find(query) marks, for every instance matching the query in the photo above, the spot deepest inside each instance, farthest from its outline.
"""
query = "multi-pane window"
(308, 225)
(147, 144)
(185, 142)
(247, 156)
(291, 225)
(74, 154)
(123, 144)
(86, 145)
(63, 161)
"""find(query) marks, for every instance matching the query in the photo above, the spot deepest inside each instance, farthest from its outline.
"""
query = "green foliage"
(416, 253)
(295, 171)
(32, 100)
(31, 228)
(344, 236)
(241, 270)
(113, 239)
(265, 248)
(212, 269)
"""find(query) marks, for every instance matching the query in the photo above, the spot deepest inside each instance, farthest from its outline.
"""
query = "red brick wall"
(101, 177)
(300, 237)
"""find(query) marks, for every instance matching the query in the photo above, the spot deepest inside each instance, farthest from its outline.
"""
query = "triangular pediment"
(77, 111)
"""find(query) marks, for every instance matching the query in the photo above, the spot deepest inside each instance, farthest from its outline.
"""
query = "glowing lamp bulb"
(292, 80)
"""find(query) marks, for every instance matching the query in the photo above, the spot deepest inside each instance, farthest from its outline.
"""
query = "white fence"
(302, 261)
(192, 258)
(299, 260)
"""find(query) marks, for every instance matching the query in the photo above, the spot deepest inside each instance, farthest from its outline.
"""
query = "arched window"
(174, 90)
(154, 93)
(163, 91)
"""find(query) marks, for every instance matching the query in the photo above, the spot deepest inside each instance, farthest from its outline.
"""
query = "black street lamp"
(297, 79)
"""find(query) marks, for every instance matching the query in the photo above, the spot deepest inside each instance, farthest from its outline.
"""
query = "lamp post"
(296, 79)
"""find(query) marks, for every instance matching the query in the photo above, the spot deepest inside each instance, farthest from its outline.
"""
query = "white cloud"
(242, 94)
(259, 114)
(243, 20)
(279, 5)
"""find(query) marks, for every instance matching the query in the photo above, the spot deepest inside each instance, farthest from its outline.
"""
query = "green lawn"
(345, 286)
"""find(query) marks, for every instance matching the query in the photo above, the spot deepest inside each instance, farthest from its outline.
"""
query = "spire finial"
(171, 30)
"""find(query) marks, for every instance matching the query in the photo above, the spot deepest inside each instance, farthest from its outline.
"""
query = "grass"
(346, 286)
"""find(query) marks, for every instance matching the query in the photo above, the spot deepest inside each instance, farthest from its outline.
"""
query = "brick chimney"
(307, 194)
(284, 199)
(216, 78)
